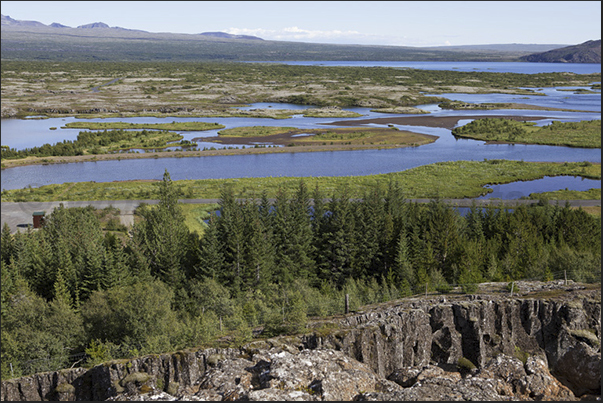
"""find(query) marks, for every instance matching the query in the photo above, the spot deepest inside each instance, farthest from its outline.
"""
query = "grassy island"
(291, 136)
(95, 143)
(180, 126)
(586, 134)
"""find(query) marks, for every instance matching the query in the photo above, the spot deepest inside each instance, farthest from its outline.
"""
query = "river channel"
(30, 132)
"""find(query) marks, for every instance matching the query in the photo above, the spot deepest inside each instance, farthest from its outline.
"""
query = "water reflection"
(523, 189)
(20, 134)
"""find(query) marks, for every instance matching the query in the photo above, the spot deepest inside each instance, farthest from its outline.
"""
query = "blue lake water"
(491, 67)
(517, 190)
(28, 133)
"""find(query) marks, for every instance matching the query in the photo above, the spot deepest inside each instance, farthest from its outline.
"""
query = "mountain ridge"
(97, 41)
(587, 52)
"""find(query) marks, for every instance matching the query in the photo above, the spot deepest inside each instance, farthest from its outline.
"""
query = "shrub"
(521, 355)
(465, 363)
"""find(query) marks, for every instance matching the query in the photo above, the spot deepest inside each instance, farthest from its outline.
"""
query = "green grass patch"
(456, 179)
(590, 194)
(585, 134)
(255, 131)
(181, 126)
(194, 214)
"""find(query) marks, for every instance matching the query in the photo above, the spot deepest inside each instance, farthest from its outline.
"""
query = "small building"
(38, 218)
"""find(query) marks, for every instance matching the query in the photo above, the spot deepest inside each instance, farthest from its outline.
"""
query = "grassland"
(565, 194)
(212, 89)
(585, 134)
(459, 105)
(180, 126)
(105, 143)
(255, 131)
(329, 138)
(459, 179)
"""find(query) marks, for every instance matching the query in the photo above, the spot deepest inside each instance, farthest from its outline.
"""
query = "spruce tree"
(163, 237)
(7, 248)
(211, 259)
(231, 236)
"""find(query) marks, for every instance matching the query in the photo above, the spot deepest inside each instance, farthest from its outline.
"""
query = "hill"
(229, 36)
(587, 52)
(32, 40)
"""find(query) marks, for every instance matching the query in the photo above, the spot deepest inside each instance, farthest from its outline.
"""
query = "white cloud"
(296, 34)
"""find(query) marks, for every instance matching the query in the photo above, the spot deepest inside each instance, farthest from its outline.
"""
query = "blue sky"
(396, 23)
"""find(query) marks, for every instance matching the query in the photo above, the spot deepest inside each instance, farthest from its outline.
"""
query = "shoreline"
(446, 122)
(206, 153)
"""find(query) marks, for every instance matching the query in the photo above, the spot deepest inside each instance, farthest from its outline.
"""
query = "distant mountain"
(587, 52)
(7, 21)
(95, 25)
(504, 47)
(229, 36)
(32, 40)
(57, 25)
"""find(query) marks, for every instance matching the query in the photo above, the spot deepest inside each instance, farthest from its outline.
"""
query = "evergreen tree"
(369, 216)
(7, 248)
(302, 247)
(442, 234)
(337, 247)
(232, 238)
(258, 253)
(61, 292)
(474, 221)
(402, 269)
(163, 236)
(211, 259)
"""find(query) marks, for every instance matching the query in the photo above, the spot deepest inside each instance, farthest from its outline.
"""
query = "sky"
(390, 23)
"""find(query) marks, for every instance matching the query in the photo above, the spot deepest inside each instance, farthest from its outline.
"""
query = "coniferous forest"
(73, 294)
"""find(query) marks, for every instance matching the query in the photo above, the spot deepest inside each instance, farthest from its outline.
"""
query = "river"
(30, 132)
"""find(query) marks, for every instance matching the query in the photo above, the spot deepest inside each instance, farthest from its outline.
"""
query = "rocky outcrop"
(470, 348)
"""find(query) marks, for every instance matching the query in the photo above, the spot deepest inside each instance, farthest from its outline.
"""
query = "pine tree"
(7, 244)
(337, 247)
(61, 292)
(163, 236)
(474, 221)
(403, 272)
(211, 259)
(302, 247)
(258, 255)
(231, 236)
(282, 231)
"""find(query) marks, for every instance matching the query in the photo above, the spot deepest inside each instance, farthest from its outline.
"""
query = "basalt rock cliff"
(468, 347)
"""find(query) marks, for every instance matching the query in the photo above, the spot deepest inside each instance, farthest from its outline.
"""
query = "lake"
(30, 132)
(488, 67)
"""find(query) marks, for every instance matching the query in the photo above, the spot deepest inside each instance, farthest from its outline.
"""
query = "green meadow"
(457, 179)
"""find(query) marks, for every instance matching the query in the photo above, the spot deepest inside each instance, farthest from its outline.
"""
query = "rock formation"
(473, 347)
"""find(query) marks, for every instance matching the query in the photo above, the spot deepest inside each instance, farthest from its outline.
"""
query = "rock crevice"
(476, 348)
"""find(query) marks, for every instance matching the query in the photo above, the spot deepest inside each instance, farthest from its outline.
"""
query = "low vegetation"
(455, 179)
(255, 131)
(101, 142)
(180, 126)
(585, 134)
(292, 136)
(459, 105)
(211, 89)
